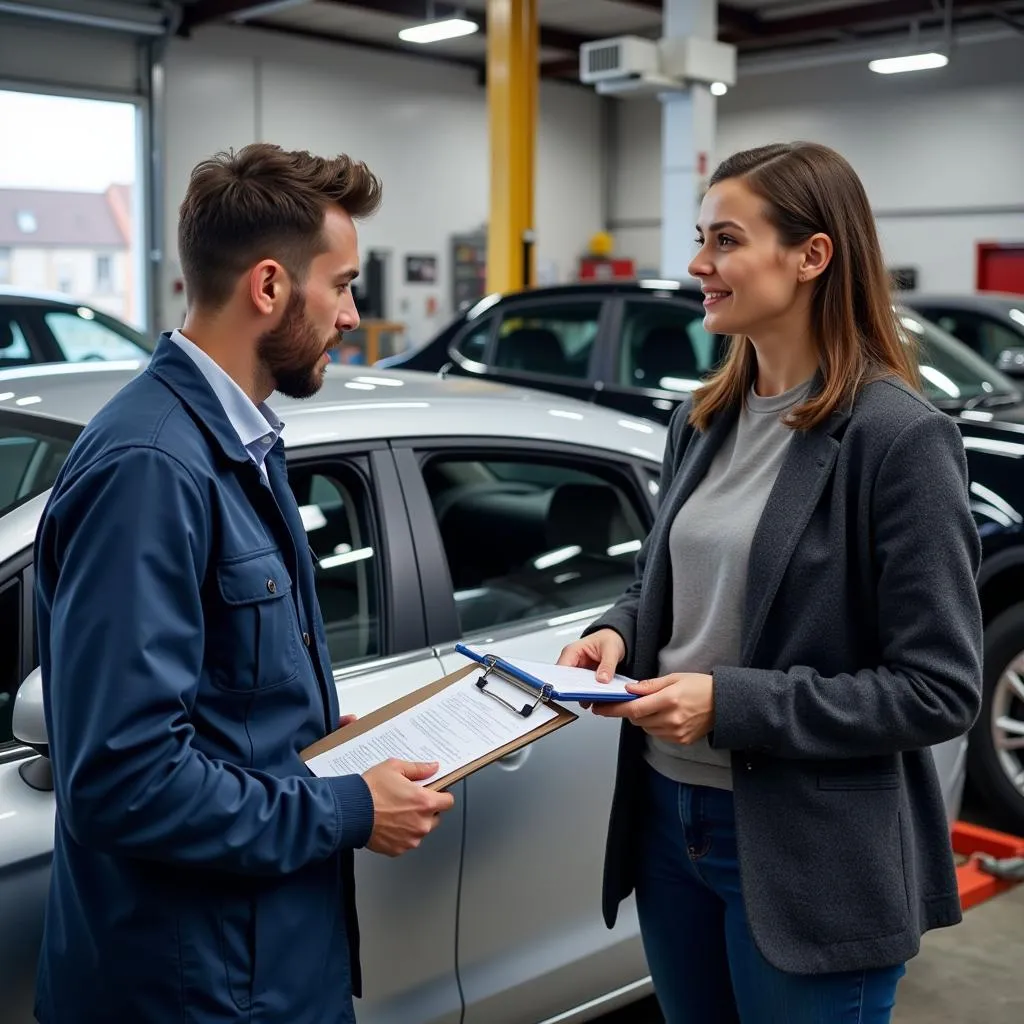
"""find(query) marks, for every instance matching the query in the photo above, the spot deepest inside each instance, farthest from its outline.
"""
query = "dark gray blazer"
(861, 648)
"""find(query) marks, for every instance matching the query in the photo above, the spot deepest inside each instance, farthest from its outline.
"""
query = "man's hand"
(403, 812)
(679, 708)
(346, 720)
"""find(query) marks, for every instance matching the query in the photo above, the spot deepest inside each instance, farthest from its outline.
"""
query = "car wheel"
(995, 752)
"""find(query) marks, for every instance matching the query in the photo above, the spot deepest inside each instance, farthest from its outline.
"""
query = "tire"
(998, 774)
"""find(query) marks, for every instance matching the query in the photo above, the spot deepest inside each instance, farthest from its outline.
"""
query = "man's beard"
(290, 352)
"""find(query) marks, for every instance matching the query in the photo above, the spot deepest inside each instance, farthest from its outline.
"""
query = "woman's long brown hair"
(807, 189)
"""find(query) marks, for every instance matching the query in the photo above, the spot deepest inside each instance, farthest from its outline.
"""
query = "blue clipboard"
(538, 688)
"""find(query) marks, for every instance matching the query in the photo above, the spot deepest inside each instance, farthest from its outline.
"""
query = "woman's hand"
(679, 708)
(601, 651)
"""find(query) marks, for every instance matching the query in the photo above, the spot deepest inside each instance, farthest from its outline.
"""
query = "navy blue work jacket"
(200, 872)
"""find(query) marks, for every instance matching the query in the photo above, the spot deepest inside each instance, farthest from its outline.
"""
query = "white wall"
(420, 125)
(940, 153)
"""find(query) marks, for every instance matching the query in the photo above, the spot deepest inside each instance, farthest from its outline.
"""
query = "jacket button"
(750, 766)
(272, 586)
(305, 639)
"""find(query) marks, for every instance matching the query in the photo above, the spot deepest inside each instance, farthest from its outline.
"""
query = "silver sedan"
(439, 511)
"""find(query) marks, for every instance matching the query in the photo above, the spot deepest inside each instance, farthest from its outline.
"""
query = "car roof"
(354, 404)
(360, 403)
(19, 296)
(966, 300)
(641, 285)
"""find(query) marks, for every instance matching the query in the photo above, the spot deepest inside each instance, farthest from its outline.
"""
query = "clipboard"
(542, 691)
(389, 711)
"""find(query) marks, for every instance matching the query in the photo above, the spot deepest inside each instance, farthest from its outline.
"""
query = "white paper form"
(571, 681)
(455, 727)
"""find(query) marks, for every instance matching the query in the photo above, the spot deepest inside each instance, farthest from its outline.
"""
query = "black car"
(991, 323)
(634, 346)
(40, 328)
(640, 347)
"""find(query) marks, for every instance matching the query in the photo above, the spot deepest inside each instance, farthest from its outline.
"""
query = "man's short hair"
(263, 202)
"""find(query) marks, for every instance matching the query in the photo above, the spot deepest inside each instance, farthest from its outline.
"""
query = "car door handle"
(512, 762)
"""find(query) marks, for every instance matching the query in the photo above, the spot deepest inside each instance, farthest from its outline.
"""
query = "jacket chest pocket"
(255, 643)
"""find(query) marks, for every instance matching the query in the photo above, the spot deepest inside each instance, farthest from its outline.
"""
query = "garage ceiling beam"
(880, 13)
(747, 27)
(203, 12)
(416, 10)
(732, 21)
(1000, 14)
(561, 70)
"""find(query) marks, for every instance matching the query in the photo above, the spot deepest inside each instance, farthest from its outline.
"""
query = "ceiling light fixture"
(917, 57)
(719, 88)
(911, 62)
(438, 31)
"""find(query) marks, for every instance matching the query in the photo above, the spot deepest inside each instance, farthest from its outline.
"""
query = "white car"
(439, 510)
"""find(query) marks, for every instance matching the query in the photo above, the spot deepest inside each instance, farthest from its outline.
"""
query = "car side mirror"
(28, 723)
(1011, 362)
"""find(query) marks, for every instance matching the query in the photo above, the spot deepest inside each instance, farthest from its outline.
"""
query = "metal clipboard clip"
(527, 709)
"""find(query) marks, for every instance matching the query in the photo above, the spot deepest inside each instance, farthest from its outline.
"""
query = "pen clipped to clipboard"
(547, 683)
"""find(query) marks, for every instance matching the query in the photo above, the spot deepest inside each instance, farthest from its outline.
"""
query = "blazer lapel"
(797, 489)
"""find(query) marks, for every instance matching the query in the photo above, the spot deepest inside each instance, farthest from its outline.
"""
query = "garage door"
(83, 46)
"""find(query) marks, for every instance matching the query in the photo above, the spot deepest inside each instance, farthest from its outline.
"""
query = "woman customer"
(804, 622)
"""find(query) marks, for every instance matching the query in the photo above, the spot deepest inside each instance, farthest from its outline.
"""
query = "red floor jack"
(994, 862)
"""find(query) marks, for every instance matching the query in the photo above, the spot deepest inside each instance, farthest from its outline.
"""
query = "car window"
(335, 508)
(527, 537)
(14, 346)
(555, 340)
(84, 338)
(30, 459)
(952, 373)
(985, 335)
(472, 343)
(665, 346)
(11, 639)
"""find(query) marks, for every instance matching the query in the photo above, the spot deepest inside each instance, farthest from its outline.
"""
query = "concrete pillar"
(687, 140)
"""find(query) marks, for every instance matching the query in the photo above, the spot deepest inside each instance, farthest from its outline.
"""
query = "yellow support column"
(512, 77)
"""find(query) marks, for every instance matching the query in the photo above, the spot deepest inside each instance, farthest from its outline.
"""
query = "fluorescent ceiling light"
(912, 62)
(719, 88)
(437, 31)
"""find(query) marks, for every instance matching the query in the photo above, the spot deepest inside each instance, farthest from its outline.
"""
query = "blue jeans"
(702, 957)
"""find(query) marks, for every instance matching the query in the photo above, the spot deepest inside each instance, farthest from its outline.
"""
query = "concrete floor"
(970, 974)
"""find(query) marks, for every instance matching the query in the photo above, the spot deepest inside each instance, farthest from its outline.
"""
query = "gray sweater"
(709, 544)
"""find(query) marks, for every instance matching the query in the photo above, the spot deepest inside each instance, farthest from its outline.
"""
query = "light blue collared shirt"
(257, 426)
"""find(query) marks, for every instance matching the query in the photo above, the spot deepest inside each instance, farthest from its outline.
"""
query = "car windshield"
(952, 376)
(86, 333)
(1013, 311)
(32, 450)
